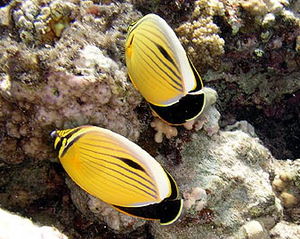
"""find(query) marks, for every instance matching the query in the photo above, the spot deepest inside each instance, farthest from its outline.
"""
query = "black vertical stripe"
(69, 144)
(165, 54)
(65, 135)
(126, 176)
(161, 60)
(96, 184)
(170, 77)
(154, 70)
(118, 165)
(59, 144)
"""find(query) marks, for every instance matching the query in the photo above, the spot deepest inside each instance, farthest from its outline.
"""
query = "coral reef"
(285, 230)
(259, 71)
(58, 86)
(200, 33)
(62, 65)
(286, 184)
(42, 22)
(225, 183)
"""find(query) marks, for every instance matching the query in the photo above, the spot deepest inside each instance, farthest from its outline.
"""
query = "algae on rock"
(234, 169)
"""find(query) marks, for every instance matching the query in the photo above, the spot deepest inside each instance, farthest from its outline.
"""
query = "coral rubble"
(225, 182)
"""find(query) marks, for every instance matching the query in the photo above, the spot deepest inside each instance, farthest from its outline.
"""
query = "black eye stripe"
(58, 146)
(68, 144)
(63, 140)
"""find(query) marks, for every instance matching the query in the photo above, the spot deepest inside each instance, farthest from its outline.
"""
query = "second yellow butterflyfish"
(119, 172)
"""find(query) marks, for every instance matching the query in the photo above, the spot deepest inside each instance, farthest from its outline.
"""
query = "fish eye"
(53, 134)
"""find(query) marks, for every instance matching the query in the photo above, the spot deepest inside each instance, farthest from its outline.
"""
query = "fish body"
(160, 70)
(119, 172)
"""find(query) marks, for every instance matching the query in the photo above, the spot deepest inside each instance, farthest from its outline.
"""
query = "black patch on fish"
(58, 146)
(132, 164)
(187, 108)
(165, 211)
(165, 54)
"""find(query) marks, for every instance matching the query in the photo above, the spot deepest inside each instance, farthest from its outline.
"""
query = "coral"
(255, 230)
(163, 129)
(208, 121)
(196, 198)
(225, 183)
(57, 87)
(261, 7)
(258, 76)
(286, 184)
(42, 22)
(79, 78)
(200, 33)
(265, 11)
(285, 230)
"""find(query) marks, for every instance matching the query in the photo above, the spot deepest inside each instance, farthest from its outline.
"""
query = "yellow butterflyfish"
(119, 172)
(160, 70)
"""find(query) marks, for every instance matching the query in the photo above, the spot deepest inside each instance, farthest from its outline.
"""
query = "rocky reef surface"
(62, 65)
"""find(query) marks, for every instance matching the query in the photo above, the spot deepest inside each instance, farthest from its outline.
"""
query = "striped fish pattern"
(160, 69)
(117, 171)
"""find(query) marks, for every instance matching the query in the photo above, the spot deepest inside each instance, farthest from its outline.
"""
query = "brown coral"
(200, 34)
